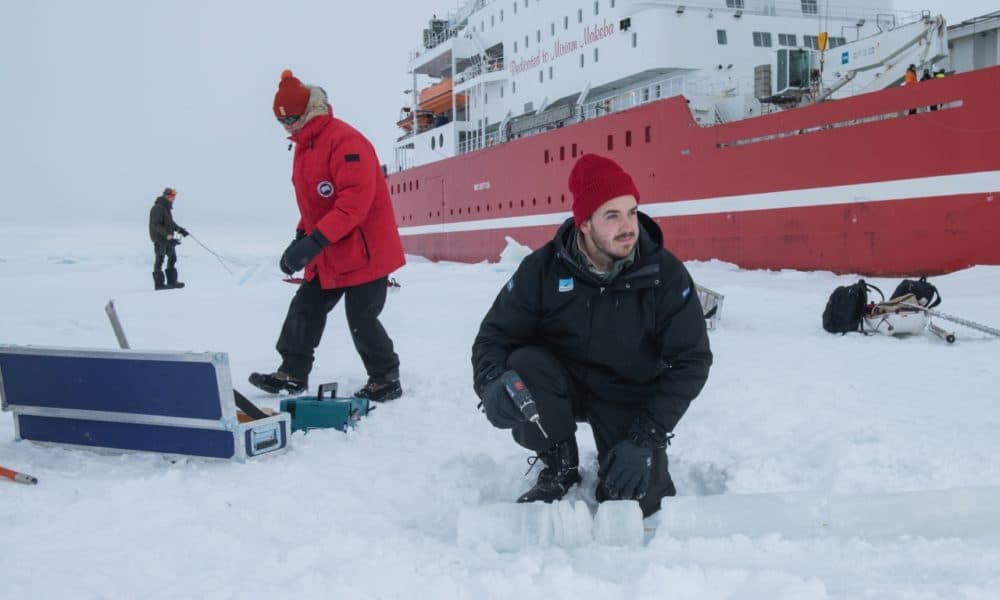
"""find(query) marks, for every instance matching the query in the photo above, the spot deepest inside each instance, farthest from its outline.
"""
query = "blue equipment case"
(315, 412)
(177, 403)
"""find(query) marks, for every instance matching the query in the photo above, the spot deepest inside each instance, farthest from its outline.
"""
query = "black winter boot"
(277, 382)
(561, 472)
(159, 283)
(380, 391)
(172, 279)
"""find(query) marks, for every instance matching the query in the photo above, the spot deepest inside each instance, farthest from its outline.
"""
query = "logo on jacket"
(325, 189)
(566, 285)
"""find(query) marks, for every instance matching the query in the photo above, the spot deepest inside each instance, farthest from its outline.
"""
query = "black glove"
(301, 251)
(626, 470)
(174, 242)
(499, 406)
(181, 230)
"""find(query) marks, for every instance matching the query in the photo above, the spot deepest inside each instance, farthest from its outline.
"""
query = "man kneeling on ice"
(602, 325)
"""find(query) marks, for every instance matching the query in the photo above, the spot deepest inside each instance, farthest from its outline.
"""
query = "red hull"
(852, 186)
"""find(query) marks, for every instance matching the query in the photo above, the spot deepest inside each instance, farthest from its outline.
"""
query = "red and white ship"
(753, 136)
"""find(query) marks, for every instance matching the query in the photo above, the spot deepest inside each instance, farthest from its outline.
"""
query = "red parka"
(341, 190)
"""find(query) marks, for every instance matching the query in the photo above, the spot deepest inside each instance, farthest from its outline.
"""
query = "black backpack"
(845, 309)
(927, 295)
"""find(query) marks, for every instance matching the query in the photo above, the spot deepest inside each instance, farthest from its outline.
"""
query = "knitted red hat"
(291, 98)
(593, 181)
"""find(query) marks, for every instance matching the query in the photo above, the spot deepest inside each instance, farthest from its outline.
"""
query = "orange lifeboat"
(437, 98)
(424, 119)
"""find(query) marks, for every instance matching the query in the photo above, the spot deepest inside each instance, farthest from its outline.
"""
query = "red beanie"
(593, 181)
(291, 98)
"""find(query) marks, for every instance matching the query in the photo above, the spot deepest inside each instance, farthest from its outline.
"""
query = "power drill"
(522, 398)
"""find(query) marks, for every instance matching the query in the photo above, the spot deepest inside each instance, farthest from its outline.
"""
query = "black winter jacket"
(161, 221)
(639, 339)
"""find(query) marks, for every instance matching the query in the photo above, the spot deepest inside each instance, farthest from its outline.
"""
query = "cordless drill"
(522, 398)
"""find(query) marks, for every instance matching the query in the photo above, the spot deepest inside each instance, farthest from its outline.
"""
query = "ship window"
(611, 142)
(522, 203)
(546, 157)
(552, 29)
(581, 61)
(550, 73)
(501, 15)
(493, 20)
(538, 35)
(628, 139)
(440, 145)
(787, 39)
(597, 8)
(562, 152)
(810, 41)
(645, 94)
(541, 76)
(837, 41)
(809, 7)
(565, 22)
(482, 26)
(525, 3)
(734, 4)
(579, 16)
(649, 134)
(595, 54)
(548, 200)
(720, 35)
(573, 148)
(501, 91)
(534, 201)
(515, 8)
(635, 39)
(562, 198)
(658, 91)
(525, 42)
(515, 46)
(418, 184)
(762, 38)
(513, 87)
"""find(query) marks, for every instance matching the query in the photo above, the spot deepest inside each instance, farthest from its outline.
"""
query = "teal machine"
(325, 410)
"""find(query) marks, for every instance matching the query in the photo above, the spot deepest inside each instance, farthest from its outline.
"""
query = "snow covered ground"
(373, 514)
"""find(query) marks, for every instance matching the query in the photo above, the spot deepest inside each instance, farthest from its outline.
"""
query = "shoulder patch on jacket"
(352, 158)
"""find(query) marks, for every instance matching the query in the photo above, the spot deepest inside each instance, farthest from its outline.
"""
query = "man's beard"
(607, 246)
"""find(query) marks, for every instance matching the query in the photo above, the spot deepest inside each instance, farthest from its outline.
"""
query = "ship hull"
(858, 185)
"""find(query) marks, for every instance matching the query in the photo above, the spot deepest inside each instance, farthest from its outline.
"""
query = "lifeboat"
(437, 98)
(425, 119)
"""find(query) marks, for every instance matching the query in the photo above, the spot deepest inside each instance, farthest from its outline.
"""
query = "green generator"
(325, 410)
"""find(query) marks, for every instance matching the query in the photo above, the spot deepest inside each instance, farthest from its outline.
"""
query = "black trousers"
(161, 251)
(306, 319)
(562, 401)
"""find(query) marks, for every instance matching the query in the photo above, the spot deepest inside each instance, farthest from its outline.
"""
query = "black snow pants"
(562, 401)
(306, 319)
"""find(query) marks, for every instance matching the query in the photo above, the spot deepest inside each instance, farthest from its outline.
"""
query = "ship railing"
(886, 18)
(477, 142)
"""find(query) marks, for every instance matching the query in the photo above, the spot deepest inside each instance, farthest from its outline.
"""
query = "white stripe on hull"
(984, 182)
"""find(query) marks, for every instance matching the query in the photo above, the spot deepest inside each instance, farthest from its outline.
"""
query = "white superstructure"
(500, 69)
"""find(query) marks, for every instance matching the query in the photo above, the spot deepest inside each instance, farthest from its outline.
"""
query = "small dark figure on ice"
(161, 230)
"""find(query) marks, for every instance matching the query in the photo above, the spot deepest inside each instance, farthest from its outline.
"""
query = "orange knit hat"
(291, 98)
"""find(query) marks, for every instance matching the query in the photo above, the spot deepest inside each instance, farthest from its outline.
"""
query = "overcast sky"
(105, 102)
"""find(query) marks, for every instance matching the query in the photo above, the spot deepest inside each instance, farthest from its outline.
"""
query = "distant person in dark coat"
(346, 241)
(161, 230)
(602, 325)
